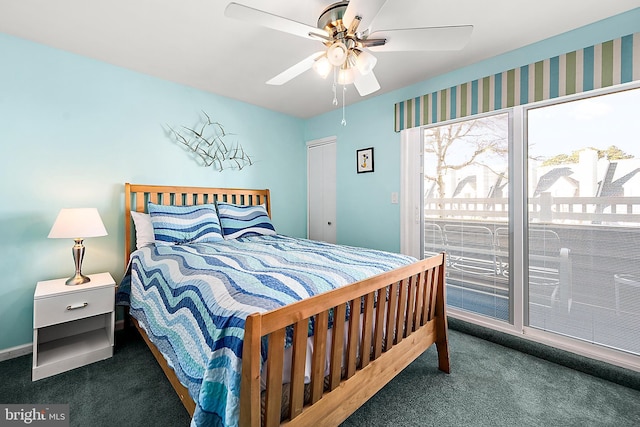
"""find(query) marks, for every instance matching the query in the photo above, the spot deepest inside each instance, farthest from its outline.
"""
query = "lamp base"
(78, 254)
(77, 279)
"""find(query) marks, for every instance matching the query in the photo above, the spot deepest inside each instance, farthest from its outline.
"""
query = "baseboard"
(17, 351)
(597, 368)
(119, 325)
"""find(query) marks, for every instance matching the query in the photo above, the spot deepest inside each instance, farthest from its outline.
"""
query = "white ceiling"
(193, 43)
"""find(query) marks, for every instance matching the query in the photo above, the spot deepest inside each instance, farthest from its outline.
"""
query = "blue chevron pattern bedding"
(193, 299)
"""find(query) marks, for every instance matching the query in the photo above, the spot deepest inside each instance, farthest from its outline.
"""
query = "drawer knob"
(77, 306)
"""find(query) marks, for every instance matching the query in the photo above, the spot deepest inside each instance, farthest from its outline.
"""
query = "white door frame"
(315, 143)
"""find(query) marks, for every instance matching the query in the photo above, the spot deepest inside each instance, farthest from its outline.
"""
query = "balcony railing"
(545, 209)
(583, 281)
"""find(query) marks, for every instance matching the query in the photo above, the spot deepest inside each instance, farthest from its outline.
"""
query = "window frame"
(518, 227)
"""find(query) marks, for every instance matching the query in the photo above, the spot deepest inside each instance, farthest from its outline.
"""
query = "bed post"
(127, 223)
(442, 342)
(250, 403)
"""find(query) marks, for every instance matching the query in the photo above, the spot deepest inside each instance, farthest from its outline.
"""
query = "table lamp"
(78, 224)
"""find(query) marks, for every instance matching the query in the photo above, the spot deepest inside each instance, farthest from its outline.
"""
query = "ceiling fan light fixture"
(365, 61)
(345, 30)
(322, 66)
(337, 53)
(347, 75)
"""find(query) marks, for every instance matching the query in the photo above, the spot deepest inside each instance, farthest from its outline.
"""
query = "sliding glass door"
(584, 219)
(555, 250)
(466, 211)
(538, 210)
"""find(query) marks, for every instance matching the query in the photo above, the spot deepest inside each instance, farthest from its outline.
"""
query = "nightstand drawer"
(72, 306)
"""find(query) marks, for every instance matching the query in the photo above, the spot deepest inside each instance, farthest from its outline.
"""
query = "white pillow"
(144, 229)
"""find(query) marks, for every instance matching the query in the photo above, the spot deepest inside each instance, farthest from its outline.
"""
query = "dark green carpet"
(490, 385)
(128, 389)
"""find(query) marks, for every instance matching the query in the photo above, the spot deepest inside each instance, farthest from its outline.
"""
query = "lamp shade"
(77, 223)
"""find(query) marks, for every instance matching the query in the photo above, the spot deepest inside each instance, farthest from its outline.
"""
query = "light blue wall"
(365, 215)
(73, 130)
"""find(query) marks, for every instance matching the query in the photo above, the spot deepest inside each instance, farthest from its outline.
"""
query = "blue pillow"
(238, 221)
(185, 224)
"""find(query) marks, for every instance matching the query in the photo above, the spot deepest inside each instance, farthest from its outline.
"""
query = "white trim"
(410, 186)
(584, 348)
(17, 351)
(311, 144)
(517, 212)
(582, 95)
(572, 345)
(322, 141)
(486, 322)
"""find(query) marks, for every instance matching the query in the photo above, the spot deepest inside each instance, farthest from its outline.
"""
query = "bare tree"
(458, 145)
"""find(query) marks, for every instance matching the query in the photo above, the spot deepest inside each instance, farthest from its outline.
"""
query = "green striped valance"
(606, 64)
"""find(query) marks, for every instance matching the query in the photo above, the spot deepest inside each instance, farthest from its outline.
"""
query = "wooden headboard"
(136, 197)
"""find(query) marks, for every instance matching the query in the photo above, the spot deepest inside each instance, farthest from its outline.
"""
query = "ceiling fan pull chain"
(344, 120)
(335, 82)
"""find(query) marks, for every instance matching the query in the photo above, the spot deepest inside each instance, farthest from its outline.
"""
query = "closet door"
(321, 190)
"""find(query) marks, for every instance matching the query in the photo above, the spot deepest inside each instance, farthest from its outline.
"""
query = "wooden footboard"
(393, 335)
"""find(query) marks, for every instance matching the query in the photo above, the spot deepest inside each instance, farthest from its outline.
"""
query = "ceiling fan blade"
(423, 39)
(365, 9)
(269, 20)
(366, 84)
(295, 70)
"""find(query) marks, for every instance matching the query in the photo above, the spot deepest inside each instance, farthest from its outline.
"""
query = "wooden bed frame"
(415, 313)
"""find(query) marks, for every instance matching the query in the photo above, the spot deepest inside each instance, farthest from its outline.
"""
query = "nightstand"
(72, 325)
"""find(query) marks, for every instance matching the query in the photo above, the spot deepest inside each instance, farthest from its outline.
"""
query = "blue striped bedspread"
(193, 299)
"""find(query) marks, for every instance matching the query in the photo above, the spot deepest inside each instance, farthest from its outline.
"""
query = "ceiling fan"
(345, 30)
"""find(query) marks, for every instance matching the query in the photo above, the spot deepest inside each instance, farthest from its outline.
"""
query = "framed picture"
(364, 160)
